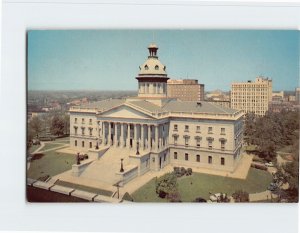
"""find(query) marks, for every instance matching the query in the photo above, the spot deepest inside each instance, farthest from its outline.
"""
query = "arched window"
(146, 67)
(156, 67)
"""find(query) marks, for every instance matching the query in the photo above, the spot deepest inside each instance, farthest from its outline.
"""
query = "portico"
(131, 135)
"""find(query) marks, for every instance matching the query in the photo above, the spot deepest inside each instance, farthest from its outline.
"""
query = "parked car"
(269, 164)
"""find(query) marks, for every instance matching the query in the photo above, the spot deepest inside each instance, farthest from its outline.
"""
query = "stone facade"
(155, 131)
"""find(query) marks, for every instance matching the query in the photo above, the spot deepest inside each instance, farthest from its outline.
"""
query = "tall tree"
(35, 126)
(57, 125)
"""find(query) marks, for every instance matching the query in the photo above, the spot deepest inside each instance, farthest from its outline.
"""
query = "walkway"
(262, 196)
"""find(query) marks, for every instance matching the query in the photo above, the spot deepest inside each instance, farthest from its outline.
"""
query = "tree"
(240, 196)
(57, 126)
(166, 185)
(35, 126)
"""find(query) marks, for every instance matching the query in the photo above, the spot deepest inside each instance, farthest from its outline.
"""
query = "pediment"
(125, 112)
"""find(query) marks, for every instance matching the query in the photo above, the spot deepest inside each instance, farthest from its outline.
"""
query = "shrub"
(240, 196)
(182, 171)
(189, 171)
(166, 184)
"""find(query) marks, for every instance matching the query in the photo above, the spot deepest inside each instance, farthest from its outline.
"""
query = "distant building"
(252, 96)
(278, 96)
(223, 103)
(185, 90)
(297, 95)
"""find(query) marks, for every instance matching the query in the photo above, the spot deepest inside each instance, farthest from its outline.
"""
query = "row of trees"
(272, 131)
(56, 123)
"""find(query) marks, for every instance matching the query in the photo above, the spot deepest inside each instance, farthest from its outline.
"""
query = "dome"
(152, 66)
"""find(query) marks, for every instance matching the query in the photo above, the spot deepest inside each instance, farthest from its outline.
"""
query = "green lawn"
(33, 148)
(84, 188)
(199, 185)
(50, 145)
(50, 163)
(64, 140)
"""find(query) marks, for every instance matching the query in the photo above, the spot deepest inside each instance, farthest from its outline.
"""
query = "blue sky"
(109, 59)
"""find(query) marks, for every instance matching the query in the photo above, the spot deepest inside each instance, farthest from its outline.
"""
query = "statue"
(78, 159)
(122, 169)
(137, 148)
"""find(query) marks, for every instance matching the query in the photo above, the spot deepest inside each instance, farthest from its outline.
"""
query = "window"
(186, 128)
(75, 121)
(75, 142)
(175, 140)
(90, 122)
(186, 156)
(210, 144)
(210, 130)
(91, 131)
(175, 127)
(146, 67)
(222, 161)
(82, 130)
(198, 129)
(222, 145)
(91, 144)
(198, 142)
(175, 155)
(186, 141)
(82, 143)
(198, 158)
(82, 120)
(156, 67)
(223, 131)
(209, 159)
(75, 130)
(165, 157)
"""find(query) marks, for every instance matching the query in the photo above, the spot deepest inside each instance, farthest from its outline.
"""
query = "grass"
(84, 188)
(50, 163)
(199, 185)
(33, 148)
(65, 139)
(50, 145)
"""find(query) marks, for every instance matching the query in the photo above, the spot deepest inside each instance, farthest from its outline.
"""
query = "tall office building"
(185, 90)
(252, 96)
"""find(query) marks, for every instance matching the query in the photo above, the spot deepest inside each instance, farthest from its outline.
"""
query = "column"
(142, 137)
(156, 137)
(121, 135)
(109, 134)
(128, 136)
(135, 137)
(149, 136)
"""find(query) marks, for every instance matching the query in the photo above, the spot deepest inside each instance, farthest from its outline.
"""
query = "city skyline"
(98, 59)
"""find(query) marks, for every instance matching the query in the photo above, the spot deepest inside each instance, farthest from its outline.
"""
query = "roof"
(171, 106)
(193, 106)
(147, 106)
(104, 104)
(153, 66)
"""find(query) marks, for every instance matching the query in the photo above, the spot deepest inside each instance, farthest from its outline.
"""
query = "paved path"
(266, 195)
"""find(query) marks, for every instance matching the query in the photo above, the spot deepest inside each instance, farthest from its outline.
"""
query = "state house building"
(151, 130)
